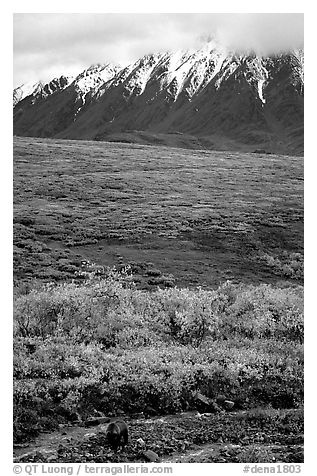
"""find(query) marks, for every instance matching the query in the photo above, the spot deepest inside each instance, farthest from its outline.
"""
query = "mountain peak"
(93, 77)
(40, 89)
(203, 91)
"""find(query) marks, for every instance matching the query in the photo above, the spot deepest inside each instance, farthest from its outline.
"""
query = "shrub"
(104, 345)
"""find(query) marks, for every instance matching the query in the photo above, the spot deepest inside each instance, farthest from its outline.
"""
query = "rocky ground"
(258, 435)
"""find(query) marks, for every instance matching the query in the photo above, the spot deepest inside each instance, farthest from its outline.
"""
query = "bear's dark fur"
(117, 434)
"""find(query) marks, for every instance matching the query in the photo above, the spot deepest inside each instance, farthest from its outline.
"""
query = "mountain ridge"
(207, 92)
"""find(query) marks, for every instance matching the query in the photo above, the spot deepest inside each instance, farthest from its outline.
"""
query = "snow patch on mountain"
(93, 77)
(228, 67)
(175, 72)
(23, 91)
(140, 74)
(204, 68)
(298, 72)
(260, 90)
(91, 80)
(252, 68)
(257, 75)
(40, 90)
(57, 84)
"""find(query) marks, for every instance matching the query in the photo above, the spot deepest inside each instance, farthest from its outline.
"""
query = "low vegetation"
(198, 217)
(196, 294)
(105, 346)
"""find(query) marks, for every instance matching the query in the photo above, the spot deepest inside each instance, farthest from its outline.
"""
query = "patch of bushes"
(287, 265)
(105, 345)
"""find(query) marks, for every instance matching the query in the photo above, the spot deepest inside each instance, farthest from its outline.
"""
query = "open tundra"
(189, 217)
(91, 343)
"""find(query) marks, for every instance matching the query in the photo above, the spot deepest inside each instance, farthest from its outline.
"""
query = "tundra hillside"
(152, 281)
(189, 217)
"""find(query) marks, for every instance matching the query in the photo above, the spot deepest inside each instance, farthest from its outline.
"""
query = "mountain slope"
(257, 101)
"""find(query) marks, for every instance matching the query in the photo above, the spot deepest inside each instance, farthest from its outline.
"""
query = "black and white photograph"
(158, 240)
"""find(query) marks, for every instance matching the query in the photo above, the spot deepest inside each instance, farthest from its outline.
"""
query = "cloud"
(49, 44)
(262, 32)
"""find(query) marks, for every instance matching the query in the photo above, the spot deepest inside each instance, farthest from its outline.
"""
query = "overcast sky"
(47, 45)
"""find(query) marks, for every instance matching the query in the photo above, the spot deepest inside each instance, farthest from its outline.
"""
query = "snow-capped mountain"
(40, 90)
(206, 92)
(23, 91)
(88, 83)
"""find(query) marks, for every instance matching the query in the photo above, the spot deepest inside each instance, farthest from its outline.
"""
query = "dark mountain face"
(206, 93)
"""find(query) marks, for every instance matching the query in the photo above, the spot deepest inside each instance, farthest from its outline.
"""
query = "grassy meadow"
(190, 217)
(145, 276)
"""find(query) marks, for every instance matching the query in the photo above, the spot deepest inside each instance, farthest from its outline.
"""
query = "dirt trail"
(223, 453)
(272, 436)
(47, 442)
